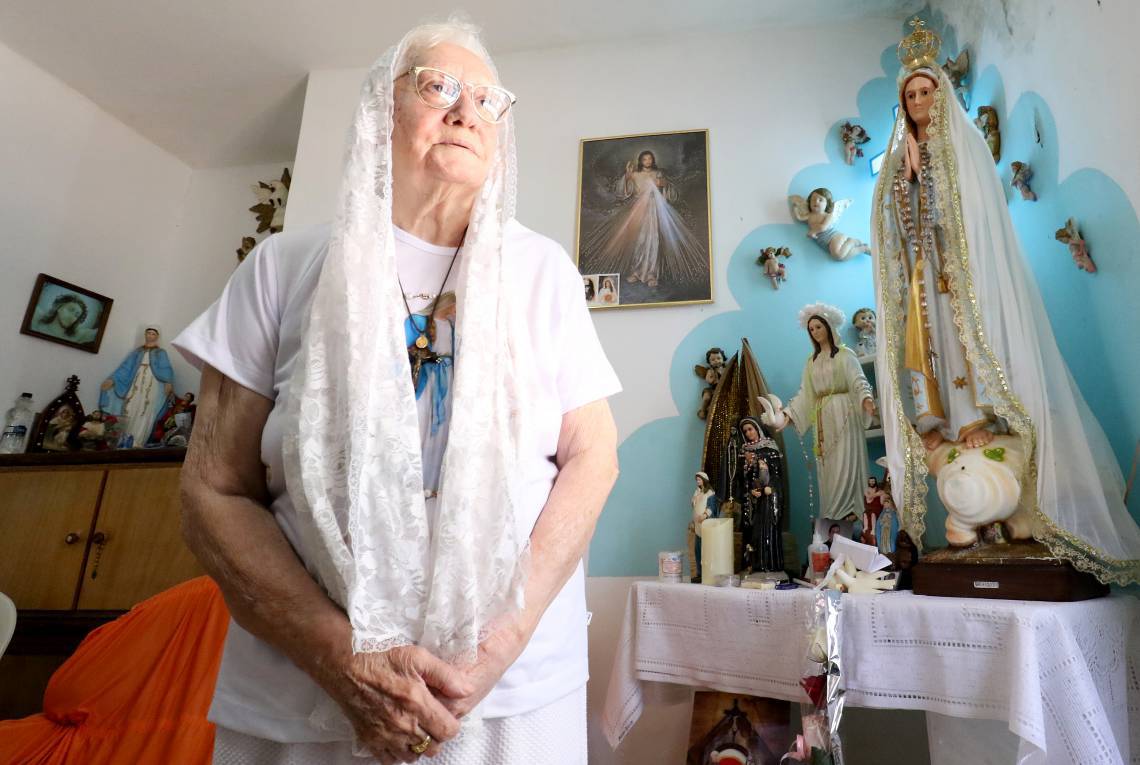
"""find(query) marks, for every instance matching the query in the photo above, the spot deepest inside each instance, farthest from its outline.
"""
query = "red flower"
(816, 688)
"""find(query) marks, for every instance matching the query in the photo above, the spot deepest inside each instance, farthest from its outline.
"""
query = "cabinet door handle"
(71, 538)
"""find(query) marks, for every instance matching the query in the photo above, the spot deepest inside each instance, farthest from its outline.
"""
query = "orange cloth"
(135, 692)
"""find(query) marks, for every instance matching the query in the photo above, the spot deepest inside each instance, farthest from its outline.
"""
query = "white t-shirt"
(252, 334)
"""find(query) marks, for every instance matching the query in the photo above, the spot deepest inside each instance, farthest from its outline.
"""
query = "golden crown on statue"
(920, 47)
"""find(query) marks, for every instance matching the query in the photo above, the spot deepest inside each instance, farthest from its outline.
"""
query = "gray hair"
(456, 30)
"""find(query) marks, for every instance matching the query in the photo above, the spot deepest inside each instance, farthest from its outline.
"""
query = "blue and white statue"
(705, 506)
(139, 389)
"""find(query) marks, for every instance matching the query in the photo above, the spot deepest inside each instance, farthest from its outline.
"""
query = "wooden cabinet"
(90, 536)
(45, 524)
(140, 552)
(83, 537)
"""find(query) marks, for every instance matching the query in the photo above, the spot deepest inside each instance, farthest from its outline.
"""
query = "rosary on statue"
(420, 350)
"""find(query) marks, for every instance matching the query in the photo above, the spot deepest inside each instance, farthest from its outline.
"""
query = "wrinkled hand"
(394, 698)
(496, 654)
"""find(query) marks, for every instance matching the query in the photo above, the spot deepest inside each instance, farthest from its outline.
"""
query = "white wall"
(84, 199)
(1080, 57)
(214, 217)
(767, 96)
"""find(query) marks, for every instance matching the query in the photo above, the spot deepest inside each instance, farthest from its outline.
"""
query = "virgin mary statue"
(965, 347)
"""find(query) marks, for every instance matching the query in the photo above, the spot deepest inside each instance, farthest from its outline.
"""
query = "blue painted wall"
(1094, 316)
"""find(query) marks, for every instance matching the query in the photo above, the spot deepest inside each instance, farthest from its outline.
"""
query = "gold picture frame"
(644, 215)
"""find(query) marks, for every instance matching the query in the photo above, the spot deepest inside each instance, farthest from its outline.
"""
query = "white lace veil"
(352, 443)
(1074, 485)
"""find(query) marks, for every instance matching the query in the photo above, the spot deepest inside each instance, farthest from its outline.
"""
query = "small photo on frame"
(64, 313)
(602, 290)
(644, 217)
(827, 527)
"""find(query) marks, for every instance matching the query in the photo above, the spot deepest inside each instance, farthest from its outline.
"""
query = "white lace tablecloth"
(1064, 677)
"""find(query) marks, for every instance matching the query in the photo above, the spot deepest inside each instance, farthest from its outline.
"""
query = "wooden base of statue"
(1014, 571)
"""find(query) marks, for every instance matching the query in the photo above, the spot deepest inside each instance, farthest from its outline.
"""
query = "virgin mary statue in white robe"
(964, 337)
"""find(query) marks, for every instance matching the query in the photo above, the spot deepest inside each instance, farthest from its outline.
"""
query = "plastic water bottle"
(18, 425)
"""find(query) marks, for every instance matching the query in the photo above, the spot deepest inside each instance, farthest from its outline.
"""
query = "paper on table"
(865, 557)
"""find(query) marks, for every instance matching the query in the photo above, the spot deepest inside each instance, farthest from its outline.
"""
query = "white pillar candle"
(716, 549)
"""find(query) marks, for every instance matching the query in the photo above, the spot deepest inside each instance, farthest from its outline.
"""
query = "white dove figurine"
(773, 416)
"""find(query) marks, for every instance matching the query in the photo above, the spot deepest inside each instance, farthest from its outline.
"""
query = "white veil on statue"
(1073, 486)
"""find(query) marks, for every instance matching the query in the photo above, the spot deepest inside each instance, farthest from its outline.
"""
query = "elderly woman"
(402, 556)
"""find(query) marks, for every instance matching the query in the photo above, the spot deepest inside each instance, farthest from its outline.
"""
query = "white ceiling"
(221, 82)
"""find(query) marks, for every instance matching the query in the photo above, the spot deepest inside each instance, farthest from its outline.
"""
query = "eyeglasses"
(440, 90)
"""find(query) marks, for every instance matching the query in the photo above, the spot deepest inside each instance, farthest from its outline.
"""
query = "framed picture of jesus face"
(61, 312)
(644, 216)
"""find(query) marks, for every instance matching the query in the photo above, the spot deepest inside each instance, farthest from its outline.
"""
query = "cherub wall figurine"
(864, 322)
(1071, 235)
(853, 136)
(1022, 173)
(987, 122)
(770, 260)
(821, 212)
(958, 71)
(712, 375)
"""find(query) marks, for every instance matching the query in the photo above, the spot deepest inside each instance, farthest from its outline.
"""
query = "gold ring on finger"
(421, 747)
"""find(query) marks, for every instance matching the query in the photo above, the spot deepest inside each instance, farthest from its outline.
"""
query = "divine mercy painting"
(643, 216)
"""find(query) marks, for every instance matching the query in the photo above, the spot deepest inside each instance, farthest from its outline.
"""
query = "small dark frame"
(49, 295)
(48, 435)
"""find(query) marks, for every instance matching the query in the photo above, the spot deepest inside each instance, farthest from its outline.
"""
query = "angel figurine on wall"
(1071, 235)
(987, 122)
(770, 260)
(853, 136)
(958, 71)
(821, 212)
(712, 375)
(1022, 174)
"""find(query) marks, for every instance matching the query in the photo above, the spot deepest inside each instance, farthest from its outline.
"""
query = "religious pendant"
(417, 357)
(943, 285)
(422, 341)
